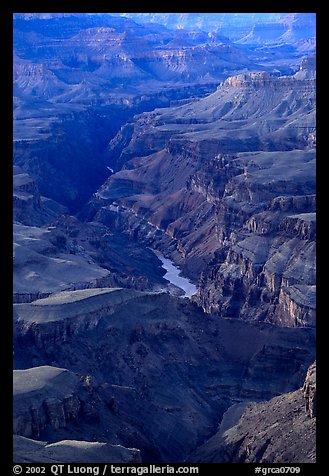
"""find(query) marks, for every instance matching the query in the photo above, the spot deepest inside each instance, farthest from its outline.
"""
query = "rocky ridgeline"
(68, 451)
(72, 94)
(257, 80)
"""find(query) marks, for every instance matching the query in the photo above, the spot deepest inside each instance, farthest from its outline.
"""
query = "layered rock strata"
(228, 193)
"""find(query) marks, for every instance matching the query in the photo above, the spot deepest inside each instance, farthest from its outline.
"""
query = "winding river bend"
(173, 275)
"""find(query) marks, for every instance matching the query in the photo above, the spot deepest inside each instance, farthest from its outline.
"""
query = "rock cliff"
(48, 399)
(29, 206)
(44, 396)
(73, 93)
(228, 193)
(281, 430)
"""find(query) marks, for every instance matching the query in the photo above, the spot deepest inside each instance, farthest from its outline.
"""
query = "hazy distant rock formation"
(257, 29)
(72, 93)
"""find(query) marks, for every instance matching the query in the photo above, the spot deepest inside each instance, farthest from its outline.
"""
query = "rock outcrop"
(44, 396)
(70, 102)
(309, 391)
(29, 207)
(109, 366)
(281, 430)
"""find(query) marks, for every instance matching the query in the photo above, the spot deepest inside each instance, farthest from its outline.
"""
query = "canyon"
(156, 381)
(228, 193)
(164, 238)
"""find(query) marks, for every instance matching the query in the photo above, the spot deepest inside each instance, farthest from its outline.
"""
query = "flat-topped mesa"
(259, 78)
(50, 400)
(48, 321)
(88, 304)
(263, 79)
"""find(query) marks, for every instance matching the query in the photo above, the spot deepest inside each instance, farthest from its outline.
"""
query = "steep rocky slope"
(139, 377)
(281, 430)
(228, 193)
(54, 251)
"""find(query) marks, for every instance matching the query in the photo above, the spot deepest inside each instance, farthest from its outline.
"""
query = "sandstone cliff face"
(309, 391)
(281, 430)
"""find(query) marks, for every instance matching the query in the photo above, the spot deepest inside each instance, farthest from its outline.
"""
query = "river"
(173, 275)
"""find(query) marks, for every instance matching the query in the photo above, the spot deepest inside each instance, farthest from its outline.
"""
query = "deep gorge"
(130, 138)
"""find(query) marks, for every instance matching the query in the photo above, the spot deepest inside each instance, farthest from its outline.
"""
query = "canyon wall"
(228, 193)
(142, 378)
